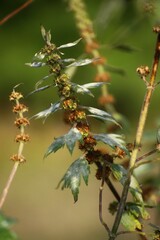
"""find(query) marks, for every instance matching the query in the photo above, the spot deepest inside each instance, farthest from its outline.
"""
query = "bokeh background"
(43, 212)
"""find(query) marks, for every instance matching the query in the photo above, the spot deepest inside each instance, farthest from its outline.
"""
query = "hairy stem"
(140, 128)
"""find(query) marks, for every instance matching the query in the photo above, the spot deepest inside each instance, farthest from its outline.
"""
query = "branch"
(12, 14)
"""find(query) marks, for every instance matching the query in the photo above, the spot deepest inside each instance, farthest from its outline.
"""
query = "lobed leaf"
(113, 140)
(69, 139)
(44, 114)
(130, 222)
(72, 178)
(70, 44)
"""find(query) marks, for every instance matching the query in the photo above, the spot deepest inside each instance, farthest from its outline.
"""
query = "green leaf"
(44, 114)
(69, 139)
(113, 140)
(130, 222)
(40, 89)
(5, 232)
(137, 210)
(119, 172)
(72, 178)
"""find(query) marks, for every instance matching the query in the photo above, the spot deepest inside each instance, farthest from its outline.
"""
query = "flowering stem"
(140, 128)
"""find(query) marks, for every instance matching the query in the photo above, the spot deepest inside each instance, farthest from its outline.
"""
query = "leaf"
(113, 140)
(130, 222)
(44, 114)
(85, 87)
(115, 70)
(120, 173)
(39, 56)
(42, 80)
(67, 60)
(82, 62)
(137, 210)
(5, 232)
(69, 139)
(36, 64)
(81, 89)
(125, 48)
(46, 35)
(158, 136)
(40, 89)
(69, 44)
(100, 114)
(72, 178)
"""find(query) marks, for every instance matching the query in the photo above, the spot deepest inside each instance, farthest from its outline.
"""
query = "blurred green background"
(42, 212)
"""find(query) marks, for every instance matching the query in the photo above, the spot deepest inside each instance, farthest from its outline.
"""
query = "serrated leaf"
(69, 139)
(72, 178)
(137, 210)
(44, 114)
(57, 144)
(130, 222)
(36, 64)
(113, 140)
(82, 62)
(69, 44)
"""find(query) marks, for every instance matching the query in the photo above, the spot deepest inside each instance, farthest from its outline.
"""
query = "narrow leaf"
(44, 114)
(68, 60)
(72, 178)
(40, 89)
(115, 70)
(93, 85)
(119, 172)
(69, 44)
(42, 80)
(36, 64)
(82, 62)
(81, 89)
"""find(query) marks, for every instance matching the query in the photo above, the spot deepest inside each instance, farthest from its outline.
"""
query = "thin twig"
(101, 199)
(140, 128)
(12, 14)
(8, 184)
